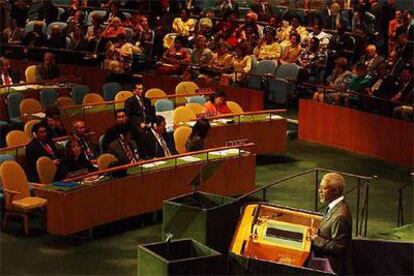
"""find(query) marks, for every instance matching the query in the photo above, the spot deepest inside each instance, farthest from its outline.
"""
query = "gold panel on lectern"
(274, 233)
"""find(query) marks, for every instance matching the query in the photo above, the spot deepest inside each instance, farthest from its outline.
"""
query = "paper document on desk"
(189, 159)
(224, 121)
(219, 152)
(20, 87)
(274, 117)
(154, 164)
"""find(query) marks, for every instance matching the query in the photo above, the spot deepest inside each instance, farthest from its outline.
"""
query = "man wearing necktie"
(333, 238)
(48, 71)
(124, 148)
(7, 76)
(139, 109)
(157, 142)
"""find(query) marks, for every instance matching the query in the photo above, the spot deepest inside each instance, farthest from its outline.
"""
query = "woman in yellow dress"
(269, 48)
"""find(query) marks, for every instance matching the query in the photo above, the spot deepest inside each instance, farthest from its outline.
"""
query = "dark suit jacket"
(153, 149)
(263, 15)
(34, 150)
(335, 238)
(117, 150)
(43, 73)
(68, 166)
(135, 110)
(112, 133)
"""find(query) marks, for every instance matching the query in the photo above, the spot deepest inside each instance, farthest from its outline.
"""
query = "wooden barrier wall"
(94, 77)
(353, 130)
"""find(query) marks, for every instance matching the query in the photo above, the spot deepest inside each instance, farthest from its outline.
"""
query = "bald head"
(371, 50)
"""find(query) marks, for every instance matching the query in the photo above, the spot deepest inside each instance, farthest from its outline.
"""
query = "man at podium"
(333, 238)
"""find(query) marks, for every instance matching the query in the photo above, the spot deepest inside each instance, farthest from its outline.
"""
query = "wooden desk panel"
(91, 206)
(269, 136)
(357, 131)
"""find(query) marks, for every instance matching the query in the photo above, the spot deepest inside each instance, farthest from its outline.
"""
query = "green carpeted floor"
(113, 249)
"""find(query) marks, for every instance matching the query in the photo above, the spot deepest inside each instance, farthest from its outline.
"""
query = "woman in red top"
(216, 105)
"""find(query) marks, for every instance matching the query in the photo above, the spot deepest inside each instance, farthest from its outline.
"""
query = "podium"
(273, 233)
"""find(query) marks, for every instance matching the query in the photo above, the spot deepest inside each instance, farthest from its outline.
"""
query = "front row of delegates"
(123, 141)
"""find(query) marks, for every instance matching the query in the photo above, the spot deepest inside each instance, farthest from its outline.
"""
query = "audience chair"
(17, 138)
(278, 91)
(279, 10)
(64, 101)
(30, 74)
(183, 114)
(101, 13)
(28, 107)
(18, 200)
(48, 97)
(181, 135)
(253, 61)
(235, 108)
(195, 107)
(30, 25)
(288, 71)
(155, 92)
(92, 98)
(46, 170)
(185, 87)
(79, 92)
(197, 99)
(164, 105)
(100, 143)
(264, 68)
(110, 89)
(60, 12)
(29, 126)
(62, 26)
(3, 158)
(122, 96)
(104, 160)
(13, 107)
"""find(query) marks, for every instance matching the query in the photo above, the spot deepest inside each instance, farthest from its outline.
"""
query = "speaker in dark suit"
(157, 142)
(333, 238)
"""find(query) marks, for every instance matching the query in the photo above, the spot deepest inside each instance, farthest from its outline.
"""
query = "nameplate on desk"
(238, 142)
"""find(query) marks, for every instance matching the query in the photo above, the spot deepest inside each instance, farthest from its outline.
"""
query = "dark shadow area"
(267, 159)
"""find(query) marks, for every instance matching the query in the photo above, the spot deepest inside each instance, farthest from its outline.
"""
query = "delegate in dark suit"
(153, 148)
(120, 152)
(335, 236)
(139, 111)
(34, 150)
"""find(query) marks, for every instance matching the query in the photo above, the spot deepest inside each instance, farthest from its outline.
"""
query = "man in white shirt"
(332, 240)
(321, 35)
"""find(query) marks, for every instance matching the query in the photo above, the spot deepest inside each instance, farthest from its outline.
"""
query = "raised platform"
(357, 131)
